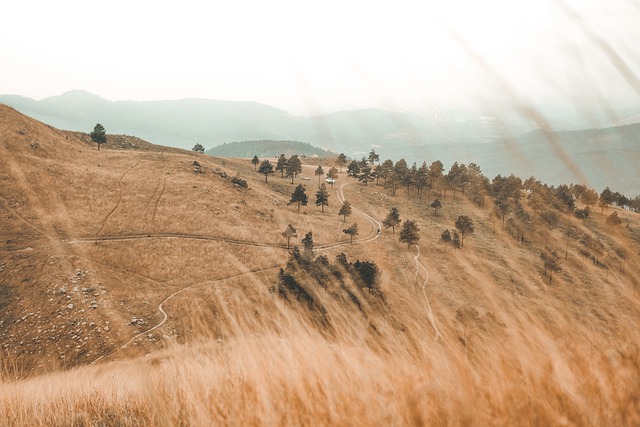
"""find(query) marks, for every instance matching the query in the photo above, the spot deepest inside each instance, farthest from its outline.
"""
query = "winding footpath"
(165, 316)
(430, 315)
(376, 226)
(374, 234)
(153, 236)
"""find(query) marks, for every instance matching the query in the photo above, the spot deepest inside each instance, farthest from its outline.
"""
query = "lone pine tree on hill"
(299, 197)
(322, 196)
(410, 233)
(99, 135)
(392, 219)
(351, 231)
(345, 210)
(255, 162)
(198, 148)
(266, 168)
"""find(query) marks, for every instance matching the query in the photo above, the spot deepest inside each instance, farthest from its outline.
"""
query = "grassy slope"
(514, 350)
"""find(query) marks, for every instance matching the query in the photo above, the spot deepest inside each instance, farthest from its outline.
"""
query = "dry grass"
(514, 350)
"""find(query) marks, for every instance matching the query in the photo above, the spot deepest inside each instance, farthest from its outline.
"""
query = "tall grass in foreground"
(274, 366)
(307, 380)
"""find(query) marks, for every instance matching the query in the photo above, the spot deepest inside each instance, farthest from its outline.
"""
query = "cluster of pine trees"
(306, 274)
(470, 181)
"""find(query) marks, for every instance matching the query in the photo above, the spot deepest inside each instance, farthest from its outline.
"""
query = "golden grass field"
(93, 242)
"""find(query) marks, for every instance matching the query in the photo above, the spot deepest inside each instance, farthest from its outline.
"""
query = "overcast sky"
(313, 57)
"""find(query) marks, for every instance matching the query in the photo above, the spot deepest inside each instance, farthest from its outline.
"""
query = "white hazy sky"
(312, 57)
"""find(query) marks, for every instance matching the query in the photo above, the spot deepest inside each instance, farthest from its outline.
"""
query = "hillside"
(265, 148)
(137, 290)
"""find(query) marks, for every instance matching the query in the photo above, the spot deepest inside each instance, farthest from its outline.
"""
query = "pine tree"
(345, 210)
(502, 205)
(436, 204)
(351, 231)
(255, 162)
(455, 240)
(299, 197)
(373, 157)
(354, 168)
(333, 173)
(341, 161)
(266, 168)
(99, 135)
(281, 166)
(322, 196)
(392, 219)
(289, 233)
(410, 233)
(464, 224)
(614, 219)
(198, 148)
(294, 167)
(307, 244)
(550, 262)
(319, 172)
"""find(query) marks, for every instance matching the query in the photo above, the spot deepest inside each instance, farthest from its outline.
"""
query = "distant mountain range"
(500, 145)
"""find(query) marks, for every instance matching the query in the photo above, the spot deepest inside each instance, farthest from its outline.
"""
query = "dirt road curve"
(376, 226)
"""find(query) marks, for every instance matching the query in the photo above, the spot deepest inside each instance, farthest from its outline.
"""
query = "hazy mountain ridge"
(182, 123)
(500, 146)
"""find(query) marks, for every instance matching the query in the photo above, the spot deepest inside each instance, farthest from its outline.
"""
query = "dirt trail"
(419, 266)
(165, 316)
(151, 236)
(376, 226)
